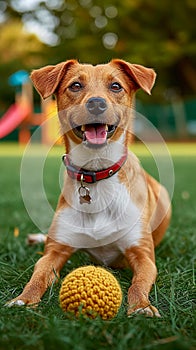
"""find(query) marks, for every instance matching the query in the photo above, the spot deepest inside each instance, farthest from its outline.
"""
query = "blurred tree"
(159, 34)
(18, 45)
(18, 50)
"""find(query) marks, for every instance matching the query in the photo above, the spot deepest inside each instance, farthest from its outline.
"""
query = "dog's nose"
(96, 105)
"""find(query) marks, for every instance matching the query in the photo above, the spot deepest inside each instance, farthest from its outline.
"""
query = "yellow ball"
(91, 290)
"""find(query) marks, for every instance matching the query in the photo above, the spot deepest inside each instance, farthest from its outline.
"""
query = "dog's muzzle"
(95, 132)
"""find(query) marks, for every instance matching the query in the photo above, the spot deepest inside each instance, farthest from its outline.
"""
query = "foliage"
(18, 50)
(160, 34)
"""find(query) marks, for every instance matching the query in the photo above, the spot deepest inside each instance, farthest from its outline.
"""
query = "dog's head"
(93, 101)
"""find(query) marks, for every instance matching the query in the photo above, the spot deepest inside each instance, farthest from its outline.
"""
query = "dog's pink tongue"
(96, 134)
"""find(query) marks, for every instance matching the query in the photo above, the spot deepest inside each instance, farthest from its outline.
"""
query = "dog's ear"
(143, 77)
(47, 79)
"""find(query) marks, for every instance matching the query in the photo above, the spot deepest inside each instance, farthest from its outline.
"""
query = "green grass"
(47, 327)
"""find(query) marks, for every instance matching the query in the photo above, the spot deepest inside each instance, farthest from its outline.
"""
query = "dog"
(109, 206)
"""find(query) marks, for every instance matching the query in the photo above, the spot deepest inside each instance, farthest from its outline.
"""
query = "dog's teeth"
(83, 128)
(106, 127)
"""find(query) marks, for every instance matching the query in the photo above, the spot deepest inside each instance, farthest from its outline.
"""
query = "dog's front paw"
(17, 302)
(148, 311)
(22, 301)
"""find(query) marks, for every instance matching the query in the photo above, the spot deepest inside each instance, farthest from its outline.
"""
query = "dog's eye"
(76, 86)
(116, 87)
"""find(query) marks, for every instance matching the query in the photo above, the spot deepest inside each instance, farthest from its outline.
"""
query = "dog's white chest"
(111, 219)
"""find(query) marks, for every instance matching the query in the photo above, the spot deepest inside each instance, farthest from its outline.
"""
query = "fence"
(176, 120)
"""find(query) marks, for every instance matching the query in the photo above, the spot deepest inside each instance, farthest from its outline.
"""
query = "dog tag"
(84, 192)
(84, 195)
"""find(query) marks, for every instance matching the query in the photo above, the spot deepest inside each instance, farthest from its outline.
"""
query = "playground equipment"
(13, 118)
(21, 114)
(50, 127)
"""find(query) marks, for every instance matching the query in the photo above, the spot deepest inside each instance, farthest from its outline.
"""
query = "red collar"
(92, 176)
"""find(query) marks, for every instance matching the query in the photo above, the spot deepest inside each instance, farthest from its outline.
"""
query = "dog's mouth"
(95, 134)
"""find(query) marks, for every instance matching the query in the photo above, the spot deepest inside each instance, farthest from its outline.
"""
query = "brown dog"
(109, 206)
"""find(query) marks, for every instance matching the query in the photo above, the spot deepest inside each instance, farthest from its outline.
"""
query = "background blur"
(157, 34)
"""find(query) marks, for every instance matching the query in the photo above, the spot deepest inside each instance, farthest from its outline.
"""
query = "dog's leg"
(45, 271)
(141, 261)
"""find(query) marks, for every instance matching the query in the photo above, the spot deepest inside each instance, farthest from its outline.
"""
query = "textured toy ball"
(92, 291)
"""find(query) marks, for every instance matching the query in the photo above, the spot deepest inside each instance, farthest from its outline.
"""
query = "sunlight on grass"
(176, 149)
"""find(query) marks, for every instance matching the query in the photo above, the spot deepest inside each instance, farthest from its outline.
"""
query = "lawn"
(47, 327)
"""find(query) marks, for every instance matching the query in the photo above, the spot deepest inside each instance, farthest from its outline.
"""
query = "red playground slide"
(13, 117)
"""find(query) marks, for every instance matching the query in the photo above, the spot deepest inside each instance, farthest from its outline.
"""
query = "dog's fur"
(130, 211)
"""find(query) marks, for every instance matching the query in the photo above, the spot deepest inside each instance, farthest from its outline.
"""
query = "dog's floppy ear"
(142, 76)
(47, 79)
